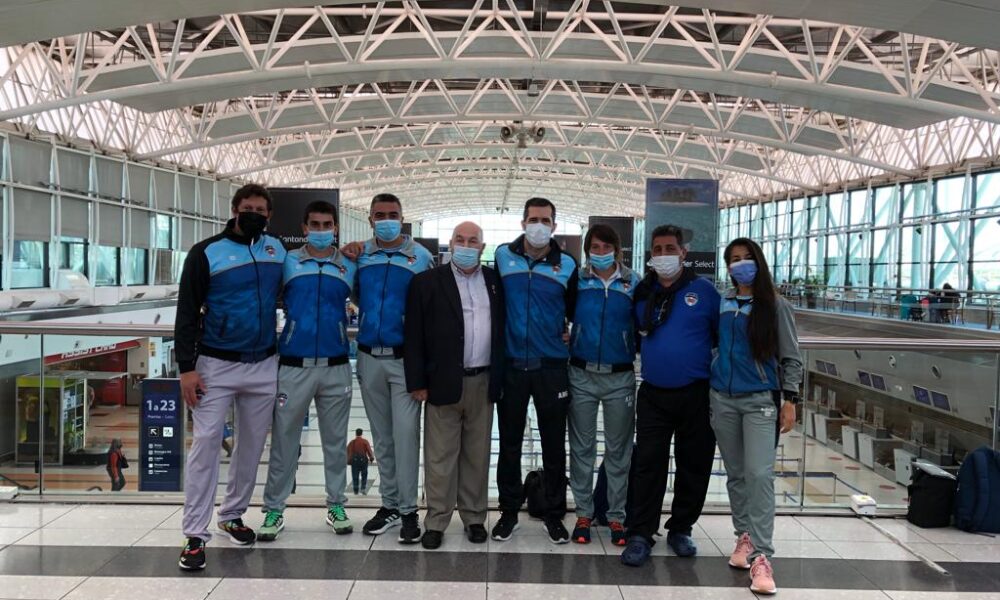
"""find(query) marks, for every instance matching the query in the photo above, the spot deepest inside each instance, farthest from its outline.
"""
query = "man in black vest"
(453, 359)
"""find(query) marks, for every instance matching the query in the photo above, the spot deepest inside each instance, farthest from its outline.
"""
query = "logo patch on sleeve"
(690, 298)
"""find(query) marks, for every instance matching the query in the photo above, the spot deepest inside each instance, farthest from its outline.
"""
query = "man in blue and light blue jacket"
(677, 314)
(225, 345)
(314, 349)
(602, 373)
(539, 282)
(386, 264)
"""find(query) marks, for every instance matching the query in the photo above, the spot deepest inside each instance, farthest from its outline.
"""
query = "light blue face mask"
(602, 261)
(743, 271)
(388, 230)
(321, 240)
(464, 257)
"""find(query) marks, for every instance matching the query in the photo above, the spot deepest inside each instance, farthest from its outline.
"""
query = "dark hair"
(538, 203)
(358, 431)
(251, 190)
(762, 329)
(604, 233)
(322, 207)
(668, 230)
(385, 198)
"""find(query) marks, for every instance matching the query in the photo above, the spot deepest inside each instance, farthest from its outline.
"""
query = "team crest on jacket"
(690, 298)
(269, 249)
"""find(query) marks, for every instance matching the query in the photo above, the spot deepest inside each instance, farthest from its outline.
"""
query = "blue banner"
(161, 436)
(692, 205)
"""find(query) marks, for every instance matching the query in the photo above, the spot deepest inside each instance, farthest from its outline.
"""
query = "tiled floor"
(67, 552)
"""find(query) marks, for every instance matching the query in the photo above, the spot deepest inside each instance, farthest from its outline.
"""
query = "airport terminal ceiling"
(773, 98)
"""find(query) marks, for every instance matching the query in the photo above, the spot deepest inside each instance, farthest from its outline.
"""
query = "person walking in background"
(602, 374)
(116, 462)
(755, 387)
(359, 456)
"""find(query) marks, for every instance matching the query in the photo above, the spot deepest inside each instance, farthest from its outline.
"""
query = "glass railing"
(871, 406)
(969, 308)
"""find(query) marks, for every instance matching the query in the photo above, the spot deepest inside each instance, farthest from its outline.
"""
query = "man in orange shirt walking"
(359, 456)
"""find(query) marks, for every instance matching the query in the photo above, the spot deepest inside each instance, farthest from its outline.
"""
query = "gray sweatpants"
(616, 392)
(394, 418)
(297, 387)
(745, 431)
(251, 388)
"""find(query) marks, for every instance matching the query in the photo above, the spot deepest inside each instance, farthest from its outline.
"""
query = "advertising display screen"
(692, 205)
(289, 207)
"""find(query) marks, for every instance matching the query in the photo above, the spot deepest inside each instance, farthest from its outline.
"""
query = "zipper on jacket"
(222, 328)
(319, 295)
(527, 316)
(381, 306)
(600, 336)
(260, 308)
(732, 342)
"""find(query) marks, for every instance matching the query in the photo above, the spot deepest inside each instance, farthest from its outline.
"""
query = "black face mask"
(251, 224)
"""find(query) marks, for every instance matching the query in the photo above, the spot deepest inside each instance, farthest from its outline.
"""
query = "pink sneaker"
(740, 558)
(762, 577)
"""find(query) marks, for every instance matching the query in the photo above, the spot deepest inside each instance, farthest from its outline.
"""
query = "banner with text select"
(692, 205)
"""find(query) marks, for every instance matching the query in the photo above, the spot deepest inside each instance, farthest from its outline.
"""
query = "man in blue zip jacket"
(314, 363)
(386, 264)
(225, 345)
(677, 313)
(539, 282)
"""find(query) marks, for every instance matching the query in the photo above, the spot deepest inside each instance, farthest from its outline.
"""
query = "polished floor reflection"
(78, 552)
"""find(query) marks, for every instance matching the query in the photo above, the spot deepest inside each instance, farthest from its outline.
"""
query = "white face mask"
(537, 234)
(666, 266)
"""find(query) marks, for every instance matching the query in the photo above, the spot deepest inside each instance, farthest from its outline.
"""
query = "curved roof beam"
(878, 92)
(970, 23)
(744, 119)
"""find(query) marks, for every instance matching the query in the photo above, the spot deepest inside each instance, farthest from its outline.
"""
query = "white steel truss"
(361, 97)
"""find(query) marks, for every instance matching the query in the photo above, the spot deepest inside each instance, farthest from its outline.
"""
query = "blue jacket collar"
(406, 248)
(554, 256)
(302, 255)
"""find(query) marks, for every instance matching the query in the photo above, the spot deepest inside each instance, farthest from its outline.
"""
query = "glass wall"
(72, 209)
(920, 234)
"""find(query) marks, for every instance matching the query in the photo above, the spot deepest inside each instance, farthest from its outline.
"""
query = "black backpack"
(534, 494)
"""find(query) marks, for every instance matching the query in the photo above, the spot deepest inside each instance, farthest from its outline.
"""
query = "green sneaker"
(274, 522)
(337, 518)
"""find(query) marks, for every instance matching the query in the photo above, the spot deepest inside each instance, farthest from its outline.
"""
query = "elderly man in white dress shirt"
(453, 357)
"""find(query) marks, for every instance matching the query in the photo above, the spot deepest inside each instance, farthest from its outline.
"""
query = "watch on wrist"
(791, 397)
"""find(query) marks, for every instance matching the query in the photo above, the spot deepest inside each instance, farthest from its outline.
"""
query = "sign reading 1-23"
(161, 405)
(161, 441)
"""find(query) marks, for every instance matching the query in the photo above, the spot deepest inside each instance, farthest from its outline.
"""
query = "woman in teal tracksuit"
(755, 383)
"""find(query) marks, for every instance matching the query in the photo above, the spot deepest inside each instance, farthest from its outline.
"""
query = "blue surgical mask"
(388, 230)
(602, 261)
(321, 240)
(743, 271)
(464, 257)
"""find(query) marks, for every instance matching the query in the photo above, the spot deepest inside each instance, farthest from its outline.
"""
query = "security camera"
(506, 133)
(538, 133)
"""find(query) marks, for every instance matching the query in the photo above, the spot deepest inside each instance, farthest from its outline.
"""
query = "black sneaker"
(193, 555)
(506, 526)
(409, 533)
(384, 520)
(238, 532)
(431, 540)
(556, 531)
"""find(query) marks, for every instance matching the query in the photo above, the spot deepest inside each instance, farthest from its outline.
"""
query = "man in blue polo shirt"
(539, 281)
(677, 315)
